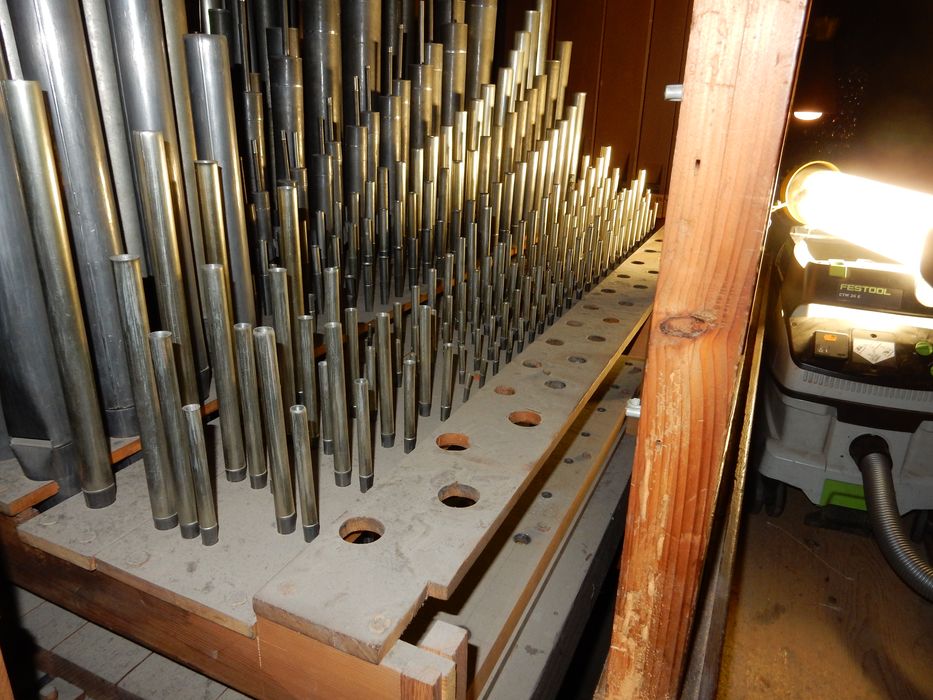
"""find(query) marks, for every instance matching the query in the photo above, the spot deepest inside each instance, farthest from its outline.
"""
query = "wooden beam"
(741, 61)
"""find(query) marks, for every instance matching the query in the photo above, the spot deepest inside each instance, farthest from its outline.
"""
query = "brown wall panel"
(665, 66)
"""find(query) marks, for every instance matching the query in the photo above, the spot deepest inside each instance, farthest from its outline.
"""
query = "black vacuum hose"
(873, 458)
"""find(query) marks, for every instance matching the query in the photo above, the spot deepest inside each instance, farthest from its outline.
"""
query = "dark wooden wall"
(624, 53)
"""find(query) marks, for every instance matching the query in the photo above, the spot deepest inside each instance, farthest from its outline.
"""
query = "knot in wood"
(688, 325)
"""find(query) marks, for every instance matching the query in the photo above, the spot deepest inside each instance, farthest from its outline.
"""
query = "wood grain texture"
(449, 641)
(740, 67)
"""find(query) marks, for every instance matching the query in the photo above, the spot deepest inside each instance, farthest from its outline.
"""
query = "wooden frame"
(741, 62)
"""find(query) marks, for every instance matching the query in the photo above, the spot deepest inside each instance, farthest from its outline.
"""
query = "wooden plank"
(360, 602)
(495, 596)
(739, 72)
(539, 653)
(17, 493)
(449, 641)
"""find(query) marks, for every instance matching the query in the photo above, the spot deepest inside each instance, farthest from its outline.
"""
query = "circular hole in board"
(546, 494)
(610, 319)
(453, 442)
(521, 538)
(554, 384)
(525, 419)
(568, 460)
(457, 495)
(607, 290)
(596, 338)
(652, 272)
(574, 324)
(650, 250)
(554, 341)
(576, 359)
(640, 286)
(504, 390)
(623, 276)
(626, 303)
(591, 307)
(638, 262)
(534, 364)
(361, 530)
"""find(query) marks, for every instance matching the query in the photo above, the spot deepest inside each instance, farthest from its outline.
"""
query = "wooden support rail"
(741, 61)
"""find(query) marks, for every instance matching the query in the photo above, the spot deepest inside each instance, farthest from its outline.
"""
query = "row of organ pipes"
(324, 210)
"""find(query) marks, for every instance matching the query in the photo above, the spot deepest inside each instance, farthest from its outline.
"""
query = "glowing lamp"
(891, 221)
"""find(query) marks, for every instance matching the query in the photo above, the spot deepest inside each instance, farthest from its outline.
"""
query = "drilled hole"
(659, 240)
(554, 341)
(596, 338)
(453, 442)
(650, 250)
(568, 460)
(458, 495)
(525, 419)
(546, 494)
(610, 319)
(652, 272)
(574, 324)
(362, 530)
(534, 364)
(640, 286)
(521, 538)
(504, 390)
(585, 433)
(626, 303)
(607, 290)
(638, 262)
(576, 359)
(554, 384)
(623, 276)
(591, 307)
(601, 409)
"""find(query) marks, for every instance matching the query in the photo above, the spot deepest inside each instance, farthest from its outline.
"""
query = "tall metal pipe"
(148, 102)
(107, 82)
(219, 327)
(385, 379)
(31, 389)
(481, 39)
(364, 445)
(337, 390)
(163, 362)
(282, 323)
(201, 473)
(159, 221)
(359, 40)
(52, 50)
(274, 424)
(304, 473)
(34, 148)
(215, 134)
(247, 382)
(306, 327)
(453, 82)
(322, 70)
(409, 402)
(135, 321)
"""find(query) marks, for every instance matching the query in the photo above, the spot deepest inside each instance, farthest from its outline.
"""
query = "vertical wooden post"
(741, 61)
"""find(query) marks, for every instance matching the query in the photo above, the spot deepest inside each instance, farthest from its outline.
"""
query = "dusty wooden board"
(494, 596)
(72, 531)
(17, 492)
(360, 599)
(537, 657)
